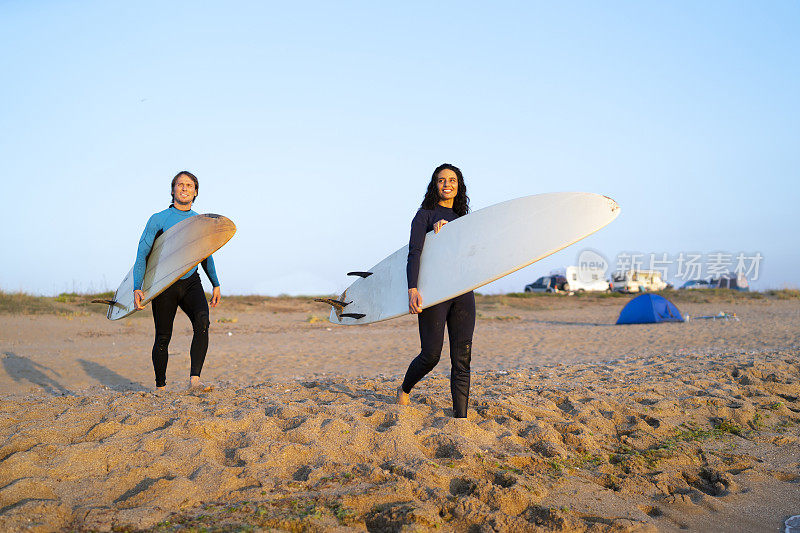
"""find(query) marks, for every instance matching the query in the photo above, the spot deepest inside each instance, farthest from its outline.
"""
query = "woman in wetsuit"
(445, 200)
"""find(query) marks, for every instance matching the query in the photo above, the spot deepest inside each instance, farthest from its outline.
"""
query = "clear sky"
(315, 128)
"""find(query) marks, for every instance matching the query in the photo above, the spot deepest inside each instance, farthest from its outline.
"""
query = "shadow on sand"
(23, 369)
(109, 378)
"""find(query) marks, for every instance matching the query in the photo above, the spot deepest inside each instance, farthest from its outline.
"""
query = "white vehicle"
(583, 279)
(637, 281)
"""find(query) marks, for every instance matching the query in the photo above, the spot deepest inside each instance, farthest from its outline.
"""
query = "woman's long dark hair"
(460, 202)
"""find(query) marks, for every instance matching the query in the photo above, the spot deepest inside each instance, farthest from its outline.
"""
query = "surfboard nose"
(229, 225)
(223, 222)
(613, 205)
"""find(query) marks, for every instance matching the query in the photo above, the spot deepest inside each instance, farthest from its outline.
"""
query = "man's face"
(184, 191)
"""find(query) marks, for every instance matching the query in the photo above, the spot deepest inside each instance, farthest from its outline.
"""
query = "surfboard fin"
(108, 302)
(360, 274)
(338, 304)
(353, 315)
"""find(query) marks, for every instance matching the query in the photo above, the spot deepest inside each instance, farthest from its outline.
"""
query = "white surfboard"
(474, 250)
(175, 252)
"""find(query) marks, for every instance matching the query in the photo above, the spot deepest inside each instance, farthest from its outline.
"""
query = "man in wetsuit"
(186, 293)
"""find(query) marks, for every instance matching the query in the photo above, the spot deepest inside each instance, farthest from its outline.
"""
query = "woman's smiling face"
(447, 184)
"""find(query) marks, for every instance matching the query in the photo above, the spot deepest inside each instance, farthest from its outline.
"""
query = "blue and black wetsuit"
(186, 293)
(458, 314)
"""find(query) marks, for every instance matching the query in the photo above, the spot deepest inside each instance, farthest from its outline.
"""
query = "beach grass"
(20, 303)
(80, 303)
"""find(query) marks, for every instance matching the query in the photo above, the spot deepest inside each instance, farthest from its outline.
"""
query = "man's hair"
(188, 175)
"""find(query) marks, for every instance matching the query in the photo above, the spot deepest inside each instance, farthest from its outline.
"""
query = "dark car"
(696, 284)
(547, 284)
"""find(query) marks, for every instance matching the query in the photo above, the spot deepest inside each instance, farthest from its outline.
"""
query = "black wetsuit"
(187, 294)
(458, 314)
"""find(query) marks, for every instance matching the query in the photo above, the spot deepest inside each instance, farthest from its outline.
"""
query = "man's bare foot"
(196, 385)
(402, 397)
(162, 388)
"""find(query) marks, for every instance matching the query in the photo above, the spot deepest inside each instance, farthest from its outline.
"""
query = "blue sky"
(315, 127)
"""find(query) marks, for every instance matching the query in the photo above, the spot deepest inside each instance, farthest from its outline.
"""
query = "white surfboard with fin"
(472, 251)
(175, 252)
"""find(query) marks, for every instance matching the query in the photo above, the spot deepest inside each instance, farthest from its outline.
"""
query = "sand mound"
(628, 445)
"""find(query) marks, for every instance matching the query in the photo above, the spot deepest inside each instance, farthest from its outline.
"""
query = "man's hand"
(414, 301)
(439, 225)
(215, 297)
(138, 296)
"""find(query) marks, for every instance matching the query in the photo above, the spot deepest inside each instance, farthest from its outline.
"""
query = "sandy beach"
(574, 424)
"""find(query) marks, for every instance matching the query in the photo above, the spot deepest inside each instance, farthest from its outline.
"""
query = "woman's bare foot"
(402, 397)
(196, 385)
(162, 388)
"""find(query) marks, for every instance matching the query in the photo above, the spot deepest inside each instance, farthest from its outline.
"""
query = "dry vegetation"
(75, 304)
(66, 303)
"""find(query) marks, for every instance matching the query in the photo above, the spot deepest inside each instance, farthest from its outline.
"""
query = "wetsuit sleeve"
(211, 271)
(145, 245)
(419, 227)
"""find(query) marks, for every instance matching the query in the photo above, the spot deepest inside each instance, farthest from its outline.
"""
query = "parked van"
(637, 281)
(583, 279)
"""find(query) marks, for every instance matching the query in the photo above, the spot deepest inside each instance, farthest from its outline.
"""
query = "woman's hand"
(216, 296)
(439, 225)
(414, 301)
(138, 296)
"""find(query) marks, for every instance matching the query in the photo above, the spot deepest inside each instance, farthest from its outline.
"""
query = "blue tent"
(649, 308)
